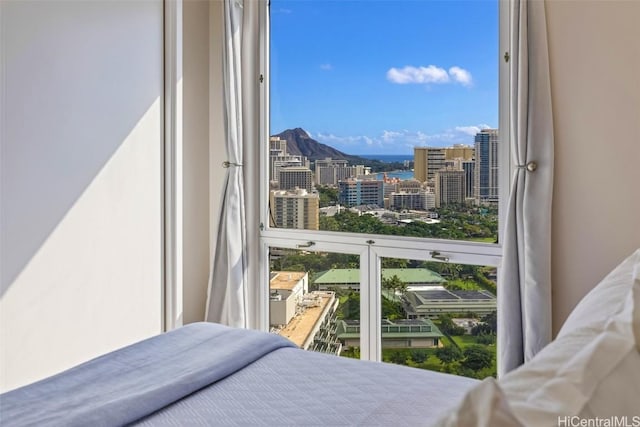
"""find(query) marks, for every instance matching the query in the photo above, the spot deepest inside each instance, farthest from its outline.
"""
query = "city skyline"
(363, 86)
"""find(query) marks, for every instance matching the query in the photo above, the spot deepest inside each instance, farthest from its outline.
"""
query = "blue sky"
(382, 76)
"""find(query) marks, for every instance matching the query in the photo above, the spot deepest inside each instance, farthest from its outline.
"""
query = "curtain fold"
(524, 307)
(228, 284)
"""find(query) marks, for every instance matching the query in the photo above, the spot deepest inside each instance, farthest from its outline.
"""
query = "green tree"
(393, 284)
(398, 357)
(328, 195)
(350, 309)
(448, 354)
(419, 355)
(391, 309)
(352, 352)
(488, 325)
(486, 339)
(477, 357)
(394, 263)
(448, 327)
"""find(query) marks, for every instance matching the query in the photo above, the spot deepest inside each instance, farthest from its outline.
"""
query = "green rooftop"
(352, 275)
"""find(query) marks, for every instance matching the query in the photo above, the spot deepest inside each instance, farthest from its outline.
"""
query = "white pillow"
(483, 406)
(589, 371)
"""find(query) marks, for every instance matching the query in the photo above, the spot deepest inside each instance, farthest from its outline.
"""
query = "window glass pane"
(311, 305)
(385, 129)
(439, 316)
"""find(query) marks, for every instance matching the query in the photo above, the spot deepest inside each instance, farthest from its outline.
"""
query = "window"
(381, 142)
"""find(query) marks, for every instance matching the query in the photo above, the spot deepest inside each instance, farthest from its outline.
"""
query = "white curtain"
(524, 309)
(228, 282)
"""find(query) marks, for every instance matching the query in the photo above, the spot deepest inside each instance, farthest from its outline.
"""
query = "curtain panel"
(524, 307)
(228, 281)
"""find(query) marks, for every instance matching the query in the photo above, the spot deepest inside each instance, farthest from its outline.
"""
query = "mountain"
(300, 143)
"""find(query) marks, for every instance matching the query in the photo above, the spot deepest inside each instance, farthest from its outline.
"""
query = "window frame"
(370, 247)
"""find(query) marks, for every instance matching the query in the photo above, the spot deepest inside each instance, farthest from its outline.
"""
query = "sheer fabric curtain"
(525, 301)
(227, 301)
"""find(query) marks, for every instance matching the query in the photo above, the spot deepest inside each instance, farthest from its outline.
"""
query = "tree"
(486, 339)
(350, 309)
(477, 357)
(398, 357)
(448, 354)
(419, 355)
(328, 195)
(391, 309)
(448, 327)
(352, 352)
(489, 325)
(393, 284)
(394, 263)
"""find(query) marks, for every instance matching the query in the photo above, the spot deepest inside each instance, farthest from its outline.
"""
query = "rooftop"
(301, 328)
(285, 279)
(352, 275)
(390, 329)
(444, 294)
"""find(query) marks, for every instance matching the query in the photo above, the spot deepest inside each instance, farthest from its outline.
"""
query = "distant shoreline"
(401, 174)
(387, 158)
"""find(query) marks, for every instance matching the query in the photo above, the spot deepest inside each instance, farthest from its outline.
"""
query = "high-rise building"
(459, 151)
(410, 185)
(279, 158)
(354, 192)
(469, 168)
(427, 161)
(486, 169)
(295, 177)
(295, 209)
(417, 200)
(277, 145)
(328, 161)
(329, 171)
(449, 187)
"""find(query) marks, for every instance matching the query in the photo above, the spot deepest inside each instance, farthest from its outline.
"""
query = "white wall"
(595, 68)
(81, 181)
(195, 159)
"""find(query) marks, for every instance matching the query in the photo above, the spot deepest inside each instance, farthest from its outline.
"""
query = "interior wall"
(195, 159)
(81, 181)
(595, 63)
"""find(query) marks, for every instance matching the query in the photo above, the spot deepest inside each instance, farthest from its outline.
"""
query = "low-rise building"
(308, 319)
(349, 278)
(432, 301)
(402, 333)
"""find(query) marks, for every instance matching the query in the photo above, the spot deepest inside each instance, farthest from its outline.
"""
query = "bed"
(208, 374)
(204, 374)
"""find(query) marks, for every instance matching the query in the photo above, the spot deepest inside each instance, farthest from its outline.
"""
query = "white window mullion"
(369, 307)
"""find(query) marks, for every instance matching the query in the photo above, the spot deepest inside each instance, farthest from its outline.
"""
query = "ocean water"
(403, 175)
(388, 158)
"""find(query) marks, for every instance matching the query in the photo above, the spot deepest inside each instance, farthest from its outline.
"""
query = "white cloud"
(395, 141)
(347, 143)
(460, 75)
(471, 130)
(409, 74)
(326, 67)
(389, 135)
(429, 75)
